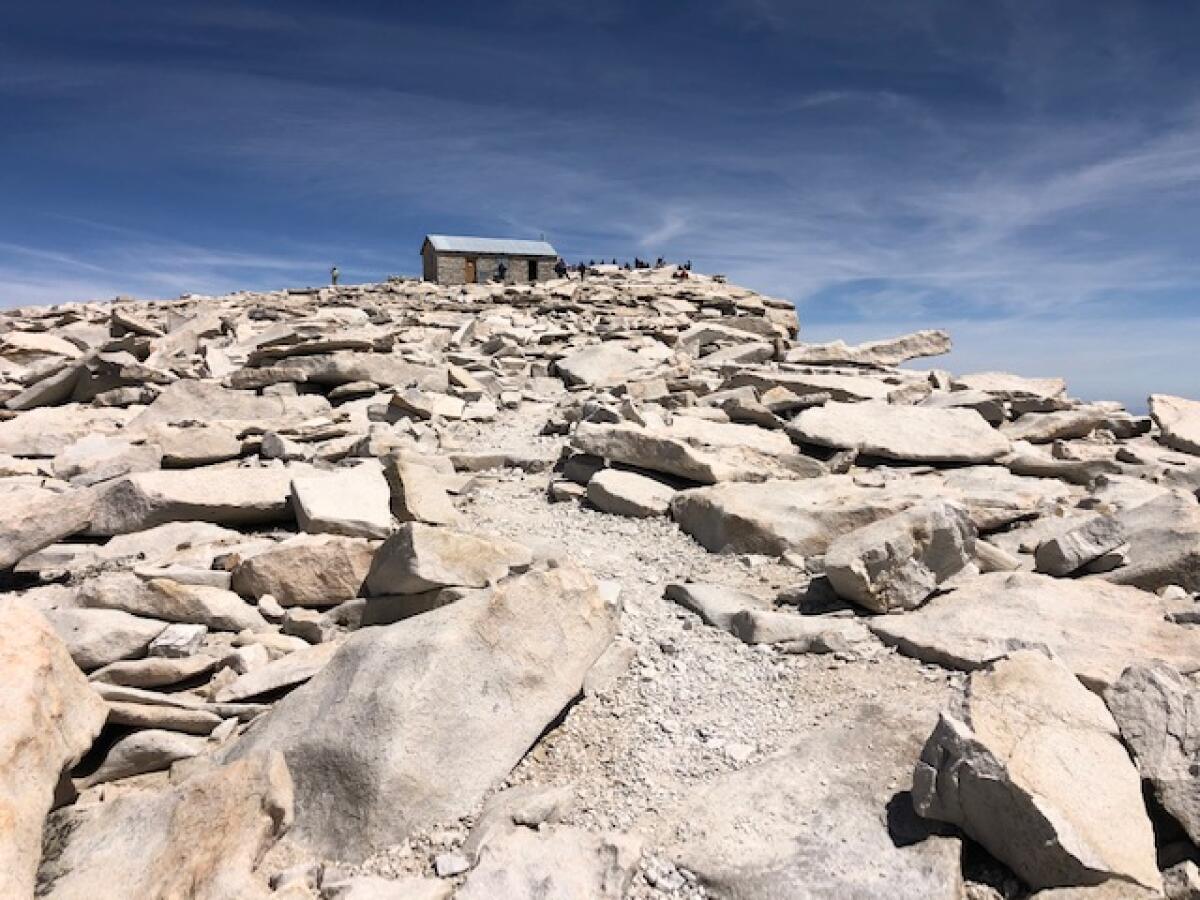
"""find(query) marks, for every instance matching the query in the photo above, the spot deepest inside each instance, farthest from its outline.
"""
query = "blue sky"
(1025, 174)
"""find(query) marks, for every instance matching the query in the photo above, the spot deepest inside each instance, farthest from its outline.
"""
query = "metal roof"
(505, 246)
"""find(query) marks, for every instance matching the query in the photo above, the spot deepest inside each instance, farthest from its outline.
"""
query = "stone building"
(472, 260)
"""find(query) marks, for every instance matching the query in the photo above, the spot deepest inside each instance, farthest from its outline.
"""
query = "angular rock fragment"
(50, 717)
(823, 819)
(1179, 421)
(315, 571)
(419, 558)
(897, 562)
(600, 366)
(37, 518)
(202, 839)
(1158, 713)
(1039, 778)
(629, 494)
(159, 598)
(1096, 628)
(286, 672)
(1075, 547)
(417, 494)
(97, 637)
(466, 688)
(555, 862)
(905, 433)
(144, 751)
(220, 495)
(352, 502)
(889, 352)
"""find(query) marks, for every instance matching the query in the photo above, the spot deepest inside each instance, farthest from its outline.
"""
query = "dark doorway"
(533, 270)
(471, 271)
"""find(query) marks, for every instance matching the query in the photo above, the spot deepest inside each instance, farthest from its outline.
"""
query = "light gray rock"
(202, 839)
(352, 502)
(418, 493)
(194, 445)
(527, 805)
(1039, 778)
(286, 672)
(1158, 712)
(1182, 881)
(144, 751)
(99, 457)
(698, 452)
(897, 562)
(466, 689)
(826, 819)
(1006, 386)
(600, 366)
(178, 641)
(1179, 421)
(97, 637)
(555, 863)
(1097, 629)
(1078, 545)
(1042, 428)
(906, 433)
(51, 716)
(629, 494)
(191, 400)
(420, 558)
(155, 671)
(838, 386)
(888, 352)
(716, 604)
(217, 609)
(307, 570)
(37, 518)
(49, 430)
(1164, 543)
(221, 495)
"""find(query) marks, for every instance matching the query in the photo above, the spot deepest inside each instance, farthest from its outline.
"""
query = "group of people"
(562, 270)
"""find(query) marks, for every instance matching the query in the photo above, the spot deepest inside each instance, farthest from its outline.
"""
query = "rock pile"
(607, 589)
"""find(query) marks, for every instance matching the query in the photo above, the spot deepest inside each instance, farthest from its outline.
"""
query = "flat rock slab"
(888, 352)
(411, 724)
(1179, 421)
(905, 433)
(806, 515)
(600, 366)
(97, 637)
(307, 570)
(352, 502)
(828, 819)
(1098, 629)
(629, 494)
(1006, 386)
(222, 495)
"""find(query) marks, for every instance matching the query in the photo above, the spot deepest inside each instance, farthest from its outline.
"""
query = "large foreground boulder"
(905, 433)
(1158, 712)
(1096, 628)
(201, 840)
(827, 819)
(1031, 767)
(897, 562)
(439, 707)
(50, 717)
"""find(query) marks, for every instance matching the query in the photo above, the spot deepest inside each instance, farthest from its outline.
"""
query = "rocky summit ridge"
(592, 588)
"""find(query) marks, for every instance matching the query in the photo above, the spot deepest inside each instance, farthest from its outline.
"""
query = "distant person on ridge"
(582, 271)
(560, 268)
(333, 275)
(501, 271)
